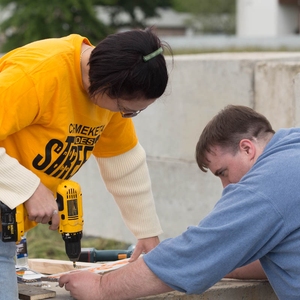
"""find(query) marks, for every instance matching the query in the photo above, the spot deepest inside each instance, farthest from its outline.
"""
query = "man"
(257, 218)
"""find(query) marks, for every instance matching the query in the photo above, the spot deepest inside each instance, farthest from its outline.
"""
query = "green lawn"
(45, 243)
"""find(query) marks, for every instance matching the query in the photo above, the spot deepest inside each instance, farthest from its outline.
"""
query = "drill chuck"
(93, 255)
(73, 245)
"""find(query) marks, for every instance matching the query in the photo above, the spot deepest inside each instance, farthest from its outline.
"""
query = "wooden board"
(97, 267)
(55, 268)
(52, 266)
(30, 292)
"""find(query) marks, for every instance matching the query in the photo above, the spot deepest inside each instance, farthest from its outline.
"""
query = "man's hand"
(131, 281)
(42, 207)
(144, 246)
(82, 285)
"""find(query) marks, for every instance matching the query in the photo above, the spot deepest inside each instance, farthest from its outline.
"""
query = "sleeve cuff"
(17, 184)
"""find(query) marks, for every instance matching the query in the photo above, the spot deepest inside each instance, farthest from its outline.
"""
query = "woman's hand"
(144, 246)
(42, 207)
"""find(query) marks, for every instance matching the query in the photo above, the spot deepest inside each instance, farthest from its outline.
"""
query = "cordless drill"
(15, 221)
(69, 201)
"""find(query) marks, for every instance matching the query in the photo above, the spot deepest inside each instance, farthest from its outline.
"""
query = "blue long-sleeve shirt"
(256, 218)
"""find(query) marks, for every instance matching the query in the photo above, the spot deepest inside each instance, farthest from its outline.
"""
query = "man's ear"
(247, 147)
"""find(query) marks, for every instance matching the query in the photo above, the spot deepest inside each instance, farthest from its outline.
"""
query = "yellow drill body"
(69, 200)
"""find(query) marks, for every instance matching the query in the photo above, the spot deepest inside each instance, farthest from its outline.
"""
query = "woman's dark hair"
(118, 69)
(228, 128)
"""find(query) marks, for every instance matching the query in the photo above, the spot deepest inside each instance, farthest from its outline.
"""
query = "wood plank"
(52, 266)
(30, 292)
(55, 268)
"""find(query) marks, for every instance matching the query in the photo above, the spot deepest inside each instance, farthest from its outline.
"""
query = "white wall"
(257, 18)
(265, 18)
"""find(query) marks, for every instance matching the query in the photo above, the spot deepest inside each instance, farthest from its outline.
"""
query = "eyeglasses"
(128, 114)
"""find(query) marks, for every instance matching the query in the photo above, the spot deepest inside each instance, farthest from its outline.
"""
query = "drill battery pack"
(9, 224)
(14, 222)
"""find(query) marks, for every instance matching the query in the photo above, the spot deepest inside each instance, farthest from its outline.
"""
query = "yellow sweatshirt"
(51, 127)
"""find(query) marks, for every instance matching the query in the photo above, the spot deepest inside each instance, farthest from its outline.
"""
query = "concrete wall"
(274, 92)
(200, 85)
(227, 43)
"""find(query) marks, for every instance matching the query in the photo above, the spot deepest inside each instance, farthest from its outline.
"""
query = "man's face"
(230, 168)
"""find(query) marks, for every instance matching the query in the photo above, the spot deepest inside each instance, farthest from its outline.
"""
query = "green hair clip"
(153, 54)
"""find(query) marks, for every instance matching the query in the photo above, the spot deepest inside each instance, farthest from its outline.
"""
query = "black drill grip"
(8, 223)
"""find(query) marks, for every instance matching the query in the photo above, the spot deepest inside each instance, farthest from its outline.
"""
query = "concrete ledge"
(227, 289)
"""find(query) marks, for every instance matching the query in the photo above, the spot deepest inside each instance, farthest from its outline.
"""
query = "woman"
(62, 100)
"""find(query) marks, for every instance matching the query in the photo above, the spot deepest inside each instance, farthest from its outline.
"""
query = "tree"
(138, 11)
(209, 16)
(33, 20)
(205, 6)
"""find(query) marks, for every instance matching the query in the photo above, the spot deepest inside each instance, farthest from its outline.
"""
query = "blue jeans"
(8, 278)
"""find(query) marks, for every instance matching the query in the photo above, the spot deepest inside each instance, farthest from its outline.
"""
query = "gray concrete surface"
(223, 290)
(226, 290)
(296, 93)
(274, 92)
(200, 85)
(232, 42)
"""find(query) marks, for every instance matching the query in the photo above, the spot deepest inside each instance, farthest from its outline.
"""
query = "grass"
(45, 243)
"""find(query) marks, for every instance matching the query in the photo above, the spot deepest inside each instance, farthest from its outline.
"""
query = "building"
(267, 18)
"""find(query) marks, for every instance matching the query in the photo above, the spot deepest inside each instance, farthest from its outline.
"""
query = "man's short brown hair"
(228, 128)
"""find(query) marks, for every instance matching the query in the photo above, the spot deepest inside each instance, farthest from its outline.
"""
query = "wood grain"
(52, 266)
